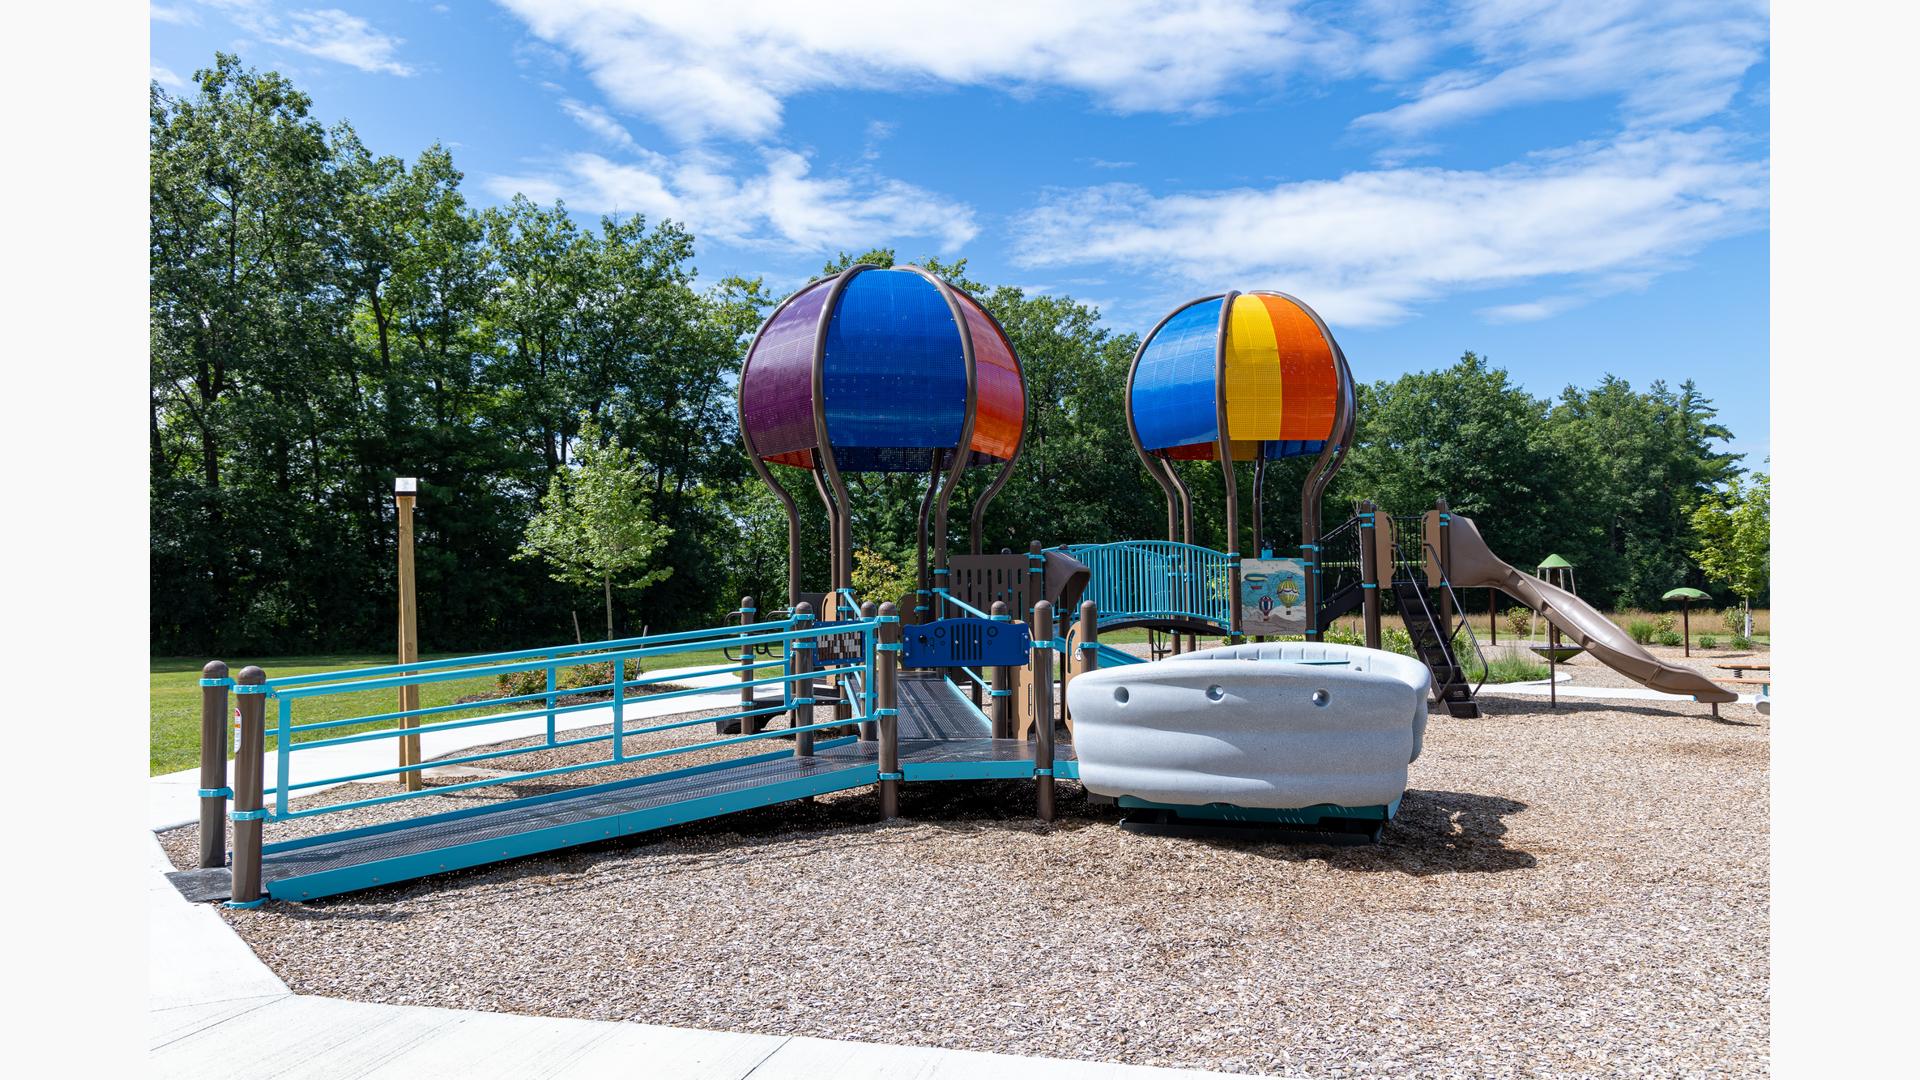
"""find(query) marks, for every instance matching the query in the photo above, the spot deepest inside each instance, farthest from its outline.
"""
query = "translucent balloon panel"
(776, 386)
(895, 374)
(1175, 394)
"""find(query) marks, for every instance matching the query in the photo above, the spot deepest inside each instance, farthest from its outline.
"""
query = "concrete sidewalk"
(1612, 693)
(173, 798)
(215, 1011)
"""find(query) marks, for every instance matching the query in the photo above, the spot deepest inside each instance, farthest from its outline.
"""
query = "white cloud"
(595, 119)
(726, 66)
(1669, 61)
(165, 77)
(1370, 246)
(878, 131)
(179, 16)
(780, 206)
(328, 33)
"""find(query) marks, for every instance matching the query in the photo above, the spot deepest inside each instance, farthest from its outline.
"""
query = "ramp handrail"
(797, 637)
(1156, 579)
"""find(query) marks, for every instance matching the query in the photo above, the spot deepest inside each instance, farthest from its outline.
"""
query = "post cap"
(251, 676)
(406, 485)
(215, 669)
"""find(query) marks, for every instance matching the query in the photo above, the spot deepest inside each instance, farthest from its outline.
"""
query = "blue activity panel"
(967, 642)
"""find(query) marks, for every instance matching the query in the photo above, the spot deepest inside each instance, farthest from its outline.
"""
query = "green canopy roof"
(1554, 562)
(1684, 593)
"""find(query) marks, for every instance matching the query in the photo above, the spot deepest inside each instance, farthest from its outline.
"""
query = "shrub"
(1731, 621)
(1520, 621)
(1510, 667)
(1664, 625)
(522, 683)
(1739, 642)
(1708, 641)
(1670, 638)
(1344, 635)
(1641, 631)
(1394, 639)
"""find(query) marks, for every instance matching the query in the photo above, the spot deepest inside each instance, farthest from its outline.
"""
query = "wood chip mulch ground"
(1580, 892)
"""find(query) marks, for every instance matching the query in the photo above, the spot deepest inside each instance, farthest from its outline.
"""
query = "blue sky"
(1569, 188)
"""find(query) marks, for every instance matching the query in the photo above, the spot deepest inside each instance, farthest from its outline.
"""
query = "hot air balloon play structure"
(894, 370)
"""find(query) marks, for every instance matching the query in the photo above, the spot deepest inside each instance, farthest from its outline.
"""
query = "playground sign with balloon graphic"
(1273, 594)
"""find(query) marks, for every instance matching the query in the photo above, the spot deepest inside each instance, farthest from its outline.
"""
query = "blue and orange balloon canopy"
(877, 363)
(1262, 362)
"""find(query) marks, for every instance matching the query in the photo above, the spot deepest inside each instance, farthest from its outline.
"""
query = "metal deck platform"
(942, 737)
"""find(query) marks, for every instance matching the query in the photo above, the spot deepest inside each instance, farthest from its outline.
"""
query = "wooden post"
(1043, 709)
(1686, 631)
(1087, 655)
(248, 782)
(403, 496)
(869, 730)
(213, 764)
(1003, 683)
(886, 687)
(800, 662)
(1443, 554)
(1493, 616)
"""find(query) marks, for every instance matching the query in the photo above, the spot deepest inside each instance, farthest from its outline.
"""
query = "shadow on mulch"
(1436, 832)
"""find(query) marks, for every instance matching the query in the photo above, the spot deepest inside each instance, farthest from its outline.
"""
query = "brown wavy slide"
(1473, 566)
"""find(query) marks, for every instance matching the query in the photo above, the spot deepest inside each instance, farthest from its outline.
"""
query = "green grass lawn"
(174, 724)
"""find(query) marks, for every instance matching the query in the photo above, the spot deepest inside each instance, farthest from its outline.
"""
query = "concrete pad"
(651, 1050)
(479, 1044)
(193, 958)
(172, 1024)
(311, 1038)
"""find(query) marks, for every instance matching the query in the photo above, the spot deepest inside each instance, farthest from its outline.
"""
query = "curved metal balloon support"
(961, 452)
(753, 455)
(1223, 444)
(923, 587)
(1332, 456)
(833, 490)
(1179, 499)
(977, 519)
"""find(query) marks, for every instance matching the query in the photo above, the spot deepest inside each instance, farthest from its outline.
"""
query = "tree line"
(324, 318)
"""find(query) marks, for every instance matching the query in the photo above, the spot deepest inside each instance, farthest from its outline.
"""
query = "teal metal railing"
(794, 636)
(1156, 579)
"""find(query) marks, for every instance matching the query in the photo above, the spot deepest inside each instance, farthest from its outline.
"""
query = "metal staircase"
(1434, 647)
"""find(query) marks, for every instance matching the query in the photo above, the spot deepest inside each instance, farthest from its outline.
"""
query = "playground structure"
(894, 370)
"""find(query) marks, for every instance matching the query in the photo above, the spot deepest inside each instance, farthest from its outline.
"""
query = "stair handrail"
(1466, 624)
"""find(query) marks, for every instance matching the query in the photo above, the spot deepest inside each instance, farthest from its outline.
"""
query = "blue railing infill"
(1137, 580)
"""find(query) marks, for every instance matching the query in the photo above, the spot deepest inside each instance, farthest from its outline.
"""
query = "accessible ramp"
(1471, 565)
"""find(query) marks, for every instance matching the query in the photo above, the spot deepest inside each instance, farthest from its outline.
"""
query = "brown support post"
(1086, 653)
(1003, 680)
(248, 766)
(1043, 710)
(409, 633)
(887, 691)
(1686, 631)
(1493, 616)
(1371, 579)
(213, 764)
(748, 724)
(800, 663)
(1444, 551)
(869, 730)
